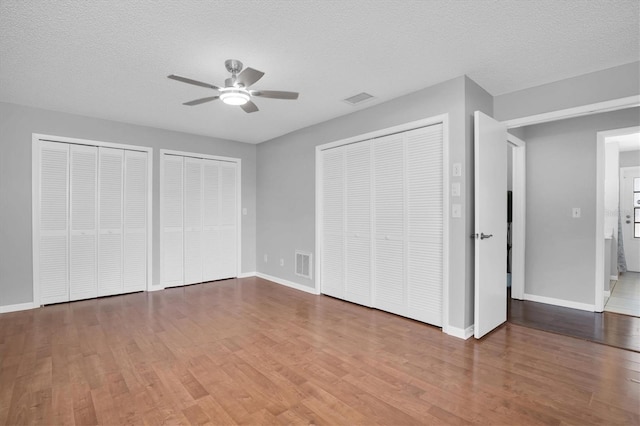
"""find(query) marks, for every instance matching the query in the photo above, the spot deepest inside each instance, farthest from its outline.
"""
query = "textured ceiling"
(110, 59)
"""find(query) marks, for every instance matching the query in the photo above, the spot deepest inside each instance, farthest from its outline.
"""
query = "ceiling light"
(234, 96)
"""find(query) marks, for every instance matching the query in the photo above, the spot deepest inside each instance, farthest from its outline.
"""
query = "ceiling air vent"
(358, 99)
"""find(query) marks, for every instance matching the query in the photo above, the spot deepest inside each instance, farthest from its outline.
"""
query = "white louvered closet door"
(389, 213)
(424, 243)
(211, 237)
(228, 220)
(53, 264)
(333, 222)
(110, 196)
(357, 272)
(134, 271)
(192, 220)
(172, 221)
(83, 283)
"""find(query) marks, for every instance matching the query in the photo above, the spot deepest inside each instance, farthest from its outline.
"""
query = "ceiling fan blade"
(194, 82)
(201, 101)
(249, 76)
(274, 94)
(249, 107)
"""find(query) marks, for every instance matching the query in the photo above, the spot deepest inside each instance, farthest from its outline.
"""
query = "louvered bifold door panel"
(53, 272)
(424, 182)
(389, 211)
(357, 273)
(110, 238)
(211, 239)
(228, 220)
(134, 272)
(333, 212)
(192, 220)
(172, 221)
(83, 283)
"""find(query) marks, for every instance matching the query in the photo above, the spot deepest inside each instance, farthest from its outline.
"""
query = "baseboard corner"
(460, 333)
(247, 274)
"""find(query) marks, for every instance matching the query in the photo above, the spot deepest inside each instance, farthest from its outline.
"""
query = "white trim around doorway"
(518, 232)
(599, 232)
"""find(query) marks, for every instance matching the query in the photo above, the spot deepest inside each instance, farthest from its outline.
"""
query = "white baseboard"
(287, 283)
(460, 333)
(560, 302)
(155, 287)
(247, 275)
(17, 307)
(613, 278)
(607, 293)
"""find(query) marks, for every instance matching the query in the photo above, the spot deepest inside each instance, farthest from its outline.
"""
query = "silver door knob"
(485, 236)
(628, 221)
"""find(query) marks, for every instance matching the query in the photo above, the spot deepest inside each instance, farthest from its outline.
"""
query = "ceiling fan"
(236, 88)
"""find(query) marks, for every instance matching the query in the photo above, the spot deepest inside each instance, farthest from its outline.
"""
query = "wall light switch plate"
(575, 213)
(457, 169)
(456, 210)
(455, 189)
(281, 262)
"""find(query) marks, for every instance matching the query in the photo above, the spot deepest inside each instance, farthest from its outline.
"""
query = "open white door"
(490, 151)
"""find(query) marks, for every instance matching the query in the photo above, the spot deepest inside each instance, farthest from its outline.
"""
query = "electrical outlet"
(281, 262)
(457, 169)
(266, 259)
(455, 189)
(244, 211)
(456, 210)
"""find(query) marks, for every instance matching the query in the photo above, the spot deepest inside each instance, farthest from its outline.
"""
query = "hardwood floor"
(252, 352)
(621, 331)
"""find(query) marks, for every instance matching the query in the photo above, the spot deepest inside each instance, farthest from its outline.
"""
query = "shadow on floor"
(621, 331)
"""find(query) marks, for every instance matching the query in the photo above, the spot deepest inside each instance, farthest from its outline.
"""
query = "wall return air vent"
(358, 99)
(303, 264)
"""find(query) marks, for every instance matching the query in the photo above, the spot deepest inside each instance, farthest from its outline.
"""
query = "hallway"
(625, 296)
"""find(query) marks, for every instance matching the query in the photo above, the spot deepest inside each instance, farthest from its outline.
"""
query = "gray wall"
(476, 99)
(629, 158)
(286, 182)
(561, 174)
(17, 123)
(605, 85)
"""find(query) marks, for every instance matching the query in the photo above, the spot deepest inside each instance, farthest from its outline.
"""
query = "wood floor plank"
(250, 351)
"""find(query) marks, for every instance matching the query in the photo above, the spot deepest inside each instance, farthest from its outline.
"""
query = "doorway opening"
(621, 221)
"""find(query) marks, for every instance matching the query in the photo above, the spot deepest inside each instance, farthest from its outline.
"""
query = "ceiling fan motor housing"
(233, 66)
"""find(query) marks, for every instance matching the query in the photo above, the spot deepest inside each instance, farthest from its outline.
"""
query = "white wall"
(629, 158)
(17, 123)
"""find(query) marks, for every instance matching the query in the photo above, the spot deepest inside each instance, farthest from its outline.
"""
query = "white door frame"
(35, 202)
(444, 120)
(518, 230)
(599, 232)
(238, 163)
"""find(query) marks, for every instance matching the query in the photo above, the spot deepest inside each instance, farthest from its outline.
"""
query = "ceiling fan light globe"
(235, 97)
